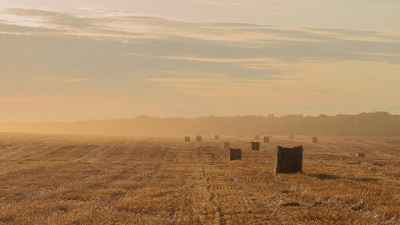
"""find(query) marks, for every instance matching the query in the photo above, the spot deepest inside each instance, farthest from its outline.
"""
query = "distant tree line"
(364, 124)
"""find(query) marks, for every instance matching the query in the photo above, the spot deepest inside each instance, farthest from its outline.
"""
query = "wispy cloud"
(28, 99)
(69, 80)
(216, 85)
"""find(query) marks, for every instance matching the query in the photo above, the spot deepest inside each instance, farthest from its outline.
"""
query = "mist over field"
(365, 124)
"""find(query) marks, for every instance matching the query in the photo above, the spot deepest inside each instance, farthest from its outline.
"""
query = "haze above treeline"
(363, 124)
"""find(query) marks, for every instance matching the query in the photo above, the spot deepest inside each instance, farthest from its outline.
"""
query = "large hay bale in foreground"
(255, 146)
(315, 140)
(289, 160)
(199, 139)
(187, 139)
(226, 145)
(267, 139)
(361, 155)
(235, 154)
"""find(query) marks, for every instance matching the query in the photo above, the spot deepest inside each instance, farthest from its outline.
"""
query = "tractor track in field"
(211, 199)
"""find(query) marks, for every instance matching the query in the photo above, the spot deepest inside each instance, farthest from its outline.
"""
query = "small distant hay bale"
(358, 206)
(255, 146)
(289, 160)
(361, 155)
(199, 139)
(267, 139)
(291, 137)
(235, 154)
(256, 137)
(226, 145)
(187, 139)
(315, 140)
(216, 137)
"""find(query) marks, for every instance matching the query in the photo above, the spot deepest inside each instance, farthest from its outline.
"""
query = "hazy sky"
(74, 60)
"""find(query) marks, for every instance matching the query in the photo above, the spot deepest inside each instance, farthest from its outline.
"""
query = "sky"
(78, 60)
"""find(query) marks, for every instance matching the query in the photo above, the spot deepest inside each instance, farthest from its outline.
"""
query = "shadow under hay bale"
(315, 140)
(354, 163)
(324, 176)
(377, 163)
(289, 204)
(235, 154)
(226, 145)
(199, 139)
(267, 139)
(361, 155)
(255, 146)
(187, 139)
(289, 160)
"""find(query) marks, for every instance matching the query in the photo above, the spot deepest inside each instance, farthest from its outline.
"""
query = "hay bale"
(226, 145)
(267, 139)
(216, 137)
(187, 139)
(291, 137)
(235, 154)
(361, 155)
(199, 139)
(257, 137)
(289, 160)
(255, 146)
(315, 140)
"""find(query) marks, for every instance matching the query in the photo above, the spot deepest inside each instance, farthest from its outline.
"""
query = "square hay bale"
(235, 154)
(199, 139)
(255, 146)
(257, 137)
(361, 155)
(289, 160)
(187, 139)
(315, 140)
(216, 137)
(291, 137)
(267, 139)
(226, 145)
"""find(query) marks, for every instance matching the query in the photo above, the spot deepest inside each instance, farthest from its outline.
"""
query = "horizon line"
(201, 117)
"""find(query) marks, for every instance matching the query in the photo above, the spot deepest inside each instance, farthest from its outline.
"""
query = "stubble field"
(61, 179)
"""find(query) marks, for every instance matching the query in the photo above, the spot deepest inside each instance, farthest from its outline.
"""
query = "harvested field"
(59, 179)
